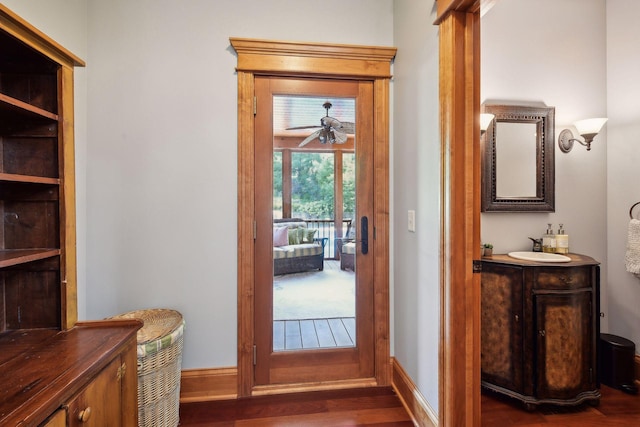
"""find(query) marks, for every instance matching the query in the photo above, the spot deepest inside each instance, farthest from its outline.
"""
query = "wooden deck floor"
(320, 329)
(314, 333)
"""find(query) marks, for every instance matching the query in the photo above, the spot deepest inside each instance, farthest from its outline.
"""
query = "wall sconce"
(587, 128)
(485, 121)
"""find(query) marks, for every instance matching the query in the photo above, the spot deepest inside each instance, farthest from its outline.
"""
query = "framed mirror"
(518, 163)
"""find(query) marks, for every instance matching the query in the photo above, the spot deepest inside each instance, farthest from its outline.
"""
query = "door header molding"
(339, 60)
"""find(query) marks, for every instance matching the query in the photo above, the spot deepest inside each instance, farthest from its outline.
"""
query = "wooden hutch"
(54, 370)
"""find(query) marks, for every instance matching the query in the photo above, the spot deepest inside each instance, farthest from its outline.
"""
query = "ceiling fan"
(331, 130)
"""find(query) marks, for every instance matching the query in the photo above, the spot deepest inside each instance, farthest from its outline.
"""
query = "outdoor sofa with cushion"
(295, 247)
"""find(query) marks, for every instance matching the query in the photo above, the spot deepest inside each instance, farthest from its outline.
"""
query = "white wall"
(544, 51)
(158, 178)
(65, 21)
(623, 155)
(416, 186)
(162, 154)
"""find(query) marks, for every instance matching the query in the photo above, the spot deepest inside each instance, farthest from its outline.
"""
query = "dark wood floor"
(615, 409)
(381, 407)
(378, 407)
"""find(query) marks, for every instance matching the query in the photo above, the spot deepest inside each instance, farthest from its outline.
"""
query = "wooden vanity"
(540, 328)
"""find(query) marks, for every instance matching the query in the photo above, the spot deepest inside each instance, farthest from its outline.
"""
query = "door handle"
(364, 232)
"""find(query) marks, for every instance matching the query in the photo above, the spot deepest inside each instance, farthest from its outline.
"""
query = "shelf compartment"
(28, 290)
(12, 106)
(28, 224)
(27, 75)
(13, 257)
(32, 156)
(26, 179)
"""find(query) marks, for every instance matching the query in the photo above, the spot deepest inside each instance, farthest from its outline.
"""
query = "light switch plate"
(411, 220)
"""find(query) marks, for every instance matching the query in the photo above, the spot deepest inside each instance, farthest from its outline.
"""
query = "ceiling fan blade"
(303, 127)
(310, 138)
(340, 137)
(348, 127)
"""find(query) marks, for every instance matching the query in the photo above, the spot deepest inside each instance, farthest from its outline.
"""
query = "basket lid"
(161, 328)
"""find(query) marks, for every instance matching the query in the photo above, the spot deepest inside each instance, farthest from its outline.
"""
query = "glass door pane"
(314, 297)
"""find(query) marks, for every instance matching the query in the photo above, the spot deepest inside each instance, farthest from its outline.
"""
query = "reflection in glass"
(313, 303)
(516, 159)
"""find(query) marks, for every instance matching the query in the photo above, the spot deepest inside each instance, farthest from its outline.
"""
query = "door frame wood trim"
(330, 61)
(459, 75)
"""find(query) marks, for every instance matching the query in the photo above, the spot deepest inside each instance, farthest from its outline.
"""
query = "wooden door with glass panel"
(314, 202)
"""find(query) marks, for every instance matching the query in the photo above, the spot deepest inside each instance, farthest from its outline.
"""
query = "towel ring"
(631, 210)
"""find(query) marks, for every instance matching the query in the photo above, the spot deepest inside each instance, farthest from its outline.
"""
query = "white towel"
(632, 257)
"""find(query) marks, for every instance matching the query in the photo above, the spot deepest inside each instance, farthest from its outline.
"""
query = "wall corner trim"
(414, 402)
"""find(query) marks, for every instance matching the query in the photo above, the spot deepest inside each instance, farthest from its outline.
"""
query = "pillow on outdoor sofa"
(280, 236)
(309, 235)
(296, 235)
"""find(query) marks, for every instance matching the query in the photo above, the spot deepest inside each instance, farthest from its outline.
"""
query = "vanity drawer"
(562, 278)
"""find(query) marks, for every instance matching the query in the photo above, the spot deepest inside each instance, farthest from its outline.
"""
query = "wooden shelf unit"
(54, 371)
(37, 188)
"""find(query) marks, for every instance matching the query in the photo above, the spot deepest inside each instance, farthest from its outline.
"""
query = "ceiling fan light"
(322, 137)
(332, 137)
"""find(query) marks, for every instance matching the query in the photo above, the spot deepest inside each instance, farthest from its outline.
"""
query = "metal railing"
(326, 228)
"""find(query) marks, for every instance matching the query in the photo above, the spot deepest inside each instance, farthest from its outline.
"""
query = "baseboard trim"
(417, 406)
(198, 385)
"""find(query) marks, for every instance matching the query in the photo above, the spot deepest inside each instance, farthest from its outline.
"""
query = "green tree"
(312, 182)
(277, 184)
(349, 185)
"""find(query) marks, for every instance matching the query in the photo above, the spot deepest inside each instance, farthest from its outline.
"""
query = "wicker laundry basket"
(160, 342)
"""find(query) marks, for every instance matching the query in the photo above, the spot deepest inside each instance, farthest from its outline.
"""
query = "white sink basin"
(539, 256)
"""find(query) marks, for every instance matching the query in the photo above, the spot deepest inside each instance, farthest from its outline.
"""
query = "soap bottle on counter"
(562, 241)
(549, 241)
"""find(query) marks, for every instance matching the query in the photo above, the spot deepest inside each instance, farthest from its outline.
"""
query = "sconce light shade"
(485, 121)
(587, 128)
(590, 126)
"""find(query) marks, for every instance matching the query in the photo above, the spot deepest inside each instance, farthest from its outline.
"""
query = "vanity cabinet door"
(502, 326)
(100, 403)
(565, 345)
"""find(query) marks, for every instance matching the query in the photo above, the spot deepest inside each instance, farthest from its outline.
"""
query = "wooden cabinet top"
(576, 261)
(42, 369)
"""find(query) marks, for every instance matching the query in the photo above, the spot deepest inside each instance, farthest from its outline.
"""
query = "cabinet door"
(100, 403)
(502, 326)
(58, 419)
(565, 343)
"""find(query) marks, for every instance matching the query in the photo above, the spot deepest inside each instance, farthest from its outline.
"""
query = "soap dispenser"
(562, 241)
(549, 241)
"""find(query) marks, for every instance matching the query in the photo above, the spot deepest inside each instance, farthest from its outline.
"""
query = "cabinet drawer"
(99, 404)
(562, 278)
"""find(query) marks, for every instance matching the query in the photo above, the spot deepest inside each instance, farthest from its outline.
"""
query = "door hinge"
(255, 105)
(255, 355)
(477, 266)
(255, 230)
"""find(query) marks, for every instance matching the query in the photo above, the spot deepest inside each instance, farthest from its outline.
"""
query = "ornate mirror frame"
(544, 199)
